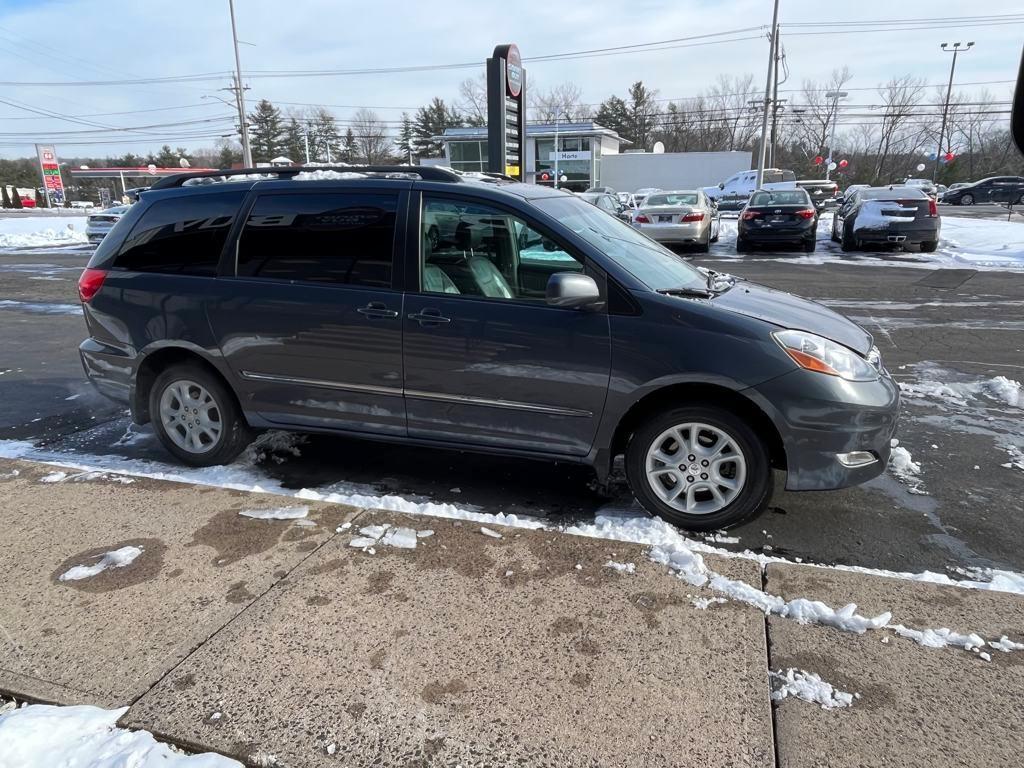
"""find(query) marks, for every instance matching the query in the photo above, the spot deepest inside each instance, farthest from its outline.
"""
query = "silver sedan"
(683, 217)
(99, 224)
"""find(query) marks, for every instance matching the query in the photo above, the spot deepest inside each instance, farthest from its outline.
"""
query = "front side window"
(340, 238)
(181, 235)
(473, 249)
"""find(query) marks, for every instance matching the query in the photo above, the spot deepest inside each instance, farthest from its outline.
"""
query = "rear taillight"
(693, 217)
(806, 213)
(90, 283)
(933, 209)
(748, 215)
(641, 219)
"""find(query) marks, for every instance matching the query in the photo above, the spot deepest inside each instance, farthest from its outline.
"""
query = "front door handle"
(376, 309)
(429, 317)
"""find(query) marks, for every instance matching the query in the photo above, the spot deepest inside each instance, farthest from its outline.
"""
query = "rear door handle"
(376, 309)
(429, 317)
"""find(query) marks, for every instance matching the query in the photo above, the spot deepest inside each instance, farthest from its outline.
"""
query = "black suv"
(536, 326)
(1008, 190)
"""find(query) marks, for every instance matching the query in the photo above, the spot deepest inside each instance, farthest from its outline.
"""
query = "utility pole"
(767, 95)
(945, 109)
(305, 136)
(835, 96)
(775, 105)
(243, 126)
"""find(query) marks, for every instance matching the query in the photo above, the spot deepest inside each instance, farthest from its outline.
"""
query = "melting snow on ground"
(621, 567)
(372, 536)
(40, 308)
(276, 513)
(119, 558)
(905, 469)
(808, 686)
(43, 736)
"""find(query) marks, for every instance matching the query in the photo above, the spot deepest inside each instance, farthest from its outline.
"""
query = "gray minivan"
(319, 302)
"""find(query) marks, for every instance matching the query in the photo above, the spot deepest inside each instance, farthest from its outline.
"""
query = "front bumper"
(820, 418)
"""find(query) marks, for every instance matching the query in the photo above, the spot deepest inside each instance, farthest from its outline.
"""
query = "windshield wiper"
(696, 293)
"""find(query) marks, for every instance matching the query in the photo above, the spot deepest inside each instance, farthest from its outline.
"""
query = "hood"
(788, 311)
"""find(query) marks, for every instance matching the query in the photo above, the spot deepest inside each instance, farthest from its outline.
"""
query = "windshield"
(780, 197)
(650, 263)
(685, 198)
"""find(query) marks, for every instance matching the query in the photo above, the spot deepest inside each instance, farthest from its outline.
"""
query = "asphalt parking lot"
(945, 325)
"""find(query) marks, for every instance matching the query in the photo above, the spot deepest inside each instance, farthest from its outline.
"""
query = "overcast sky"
(65, 40)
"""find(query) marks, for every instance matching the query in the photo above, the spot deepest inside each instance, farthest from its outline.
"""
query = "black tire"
(967, 199)
(929, 246)
(718, 232)
(742, 246)
(810, 245)
(1020, 200)
(706, 245)
(234, 435)
(753, 496)
(832, 232)
(849, 242)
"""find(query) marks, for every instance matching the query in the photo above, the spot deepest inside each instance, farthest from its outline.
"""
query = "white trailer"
(630, 171)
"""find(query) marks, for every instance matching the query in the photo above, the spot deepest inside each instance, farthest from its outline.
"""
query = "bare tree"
(562, 102)
(372, 145)
(901, 98)
(472, 101)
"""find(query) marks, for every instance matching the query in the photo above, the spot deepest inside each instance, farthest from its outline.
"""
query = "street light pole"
(835, 96)
(239, 93)
(767, 94)
(945, 109)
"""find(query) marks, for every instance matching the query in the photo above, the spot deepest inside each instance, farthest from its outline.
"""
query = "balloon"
(843, 163)
(920, 166)
(932, 155)
(831, 166)
(949, 157)
(818, 160)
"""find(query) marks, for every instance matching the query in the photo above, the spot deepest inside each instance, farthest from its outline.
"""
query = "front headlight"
(818, 354)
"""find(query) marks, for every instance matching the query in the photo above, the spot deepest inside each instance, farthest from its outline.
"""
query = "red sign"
(50, 167)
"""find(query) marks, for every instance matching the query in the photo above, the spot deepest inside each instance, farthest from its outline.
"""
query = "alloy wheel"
(696, 468)
(190, 416)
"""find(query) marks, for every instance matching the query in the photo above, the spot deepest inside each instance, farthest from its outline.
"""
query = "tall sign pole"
(53, 184)
(767, 95)
(506, 112)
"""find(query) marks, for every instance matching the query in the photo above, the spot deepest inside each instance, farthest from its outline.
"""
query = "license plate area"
(778, 219)
(665, 219)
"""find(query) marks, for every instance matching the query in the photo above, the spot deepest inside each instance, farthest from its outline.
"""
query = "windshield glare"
(650, 263)
(683, 199)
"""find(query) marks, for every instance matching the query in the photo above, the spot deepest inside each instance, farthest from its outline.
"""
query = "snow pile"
(1007, 390)
(872, 215)
(386, 535)
(81, 477)
(119, 558)
(621, 567)
(999, 388)
(276, 513)
(808, 686)
(983, 243)
(1006, 645)
(905, 469)
(33, 232)
(940, 638)
(324, 175)
(703, 603)
(43, 736)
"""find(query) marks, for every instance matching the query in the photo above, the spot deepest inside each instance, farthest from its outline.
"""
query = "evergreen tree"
(6, 198)
(295, 142)
(404, 142)
(348, 149)
(40, 199)
(324, 139)
(614, 115)
(228, 157)
(643, 114)
(167, 158)
(16, 199)
(266, 132)
(431, 121)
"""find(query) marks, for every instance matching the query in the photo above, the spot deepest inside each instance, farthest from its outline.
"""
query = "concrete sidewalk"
(277, 637)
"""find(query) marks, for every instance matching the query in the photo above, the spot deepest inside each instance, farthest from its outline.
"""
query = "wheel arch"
(675, 395)
(158, 360)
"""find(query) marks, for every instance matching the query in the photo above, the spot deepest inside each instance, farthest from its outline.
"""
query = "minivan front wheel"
(699, 467)
(195, 417)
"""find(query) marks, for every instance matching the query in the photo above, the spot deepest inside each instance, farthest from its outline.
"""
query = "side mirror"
(721, 185)
(571, 289)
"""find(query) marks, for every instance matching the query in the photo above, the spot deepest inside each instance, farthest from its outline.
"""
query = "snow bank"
(32, 232)
(43, 736)
(119, 558)
(808, 686)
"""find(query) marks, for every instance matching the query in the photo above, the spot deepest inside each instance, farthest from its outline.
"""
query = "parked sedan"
(823, 192)
(929, 187)
(99, 224)
(952, 188)
(887, 215)
(641, 194)
(685, 217)
(607, 203)
(774, 216)
(1007, 190)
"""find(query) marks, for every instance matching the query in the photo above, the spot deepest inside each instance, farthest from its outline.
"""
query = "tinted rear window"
(683, 198)
(181, 235)
(335, 237)
(781, 197)
(896, 193)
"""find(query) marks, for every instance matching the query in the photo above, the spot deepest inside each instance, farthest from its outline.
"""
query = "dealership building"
(581, 148)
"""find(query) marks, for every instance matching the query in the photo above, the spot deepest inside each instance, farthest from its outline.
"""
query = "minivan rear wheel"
(196, 418)
(699, 467)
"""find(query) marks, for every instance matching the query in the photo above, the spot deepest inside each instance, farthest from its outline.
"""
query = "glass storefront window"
(468, 155)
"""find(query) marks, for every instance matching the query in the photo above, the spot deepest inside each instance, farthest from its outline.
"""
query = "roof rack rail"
(425, 172)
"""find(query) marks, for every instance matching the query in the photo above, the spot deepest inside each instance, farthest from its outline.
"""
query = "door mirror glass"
(571, 289)
(721, 185)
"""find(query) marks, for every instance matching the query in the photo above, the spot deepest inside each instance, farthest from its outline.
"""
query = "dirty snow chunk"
(43, 736)
(331, 748)
(403, 538)
(276, 513)
(939, 638)
(488, 532)
(54, 477)
(362, 542)
(306, 523)
(424, 533)
(706, 602)
(9, 475)
(343, 527)
(1007, 390)
(719, 538)
(985, 656)
(808, 686)
(905, 469)
(119, 558)
(1016, 457)
(621, 567)
(1005, 645)
(373, 531)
